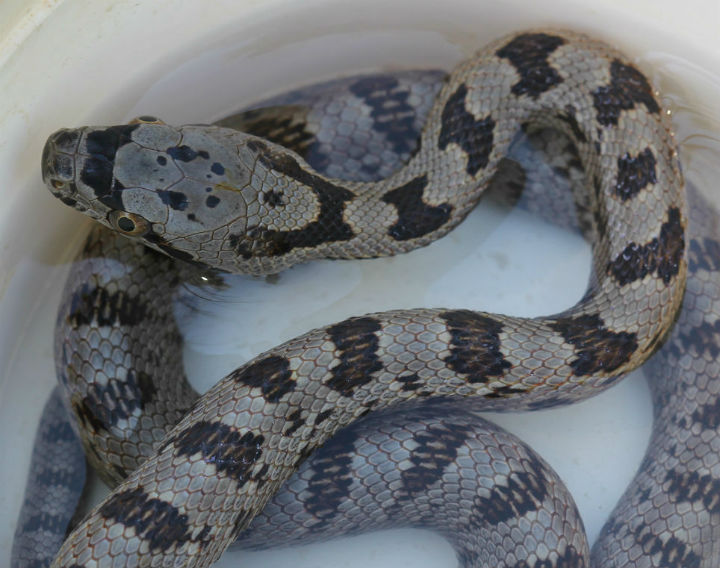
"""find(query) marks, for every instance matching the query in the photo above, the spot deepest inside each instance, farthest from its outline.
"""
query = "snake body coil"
(236, 202)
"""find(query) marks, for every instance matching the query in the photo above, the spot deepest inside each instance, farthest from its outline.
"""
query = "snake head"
(182, 190)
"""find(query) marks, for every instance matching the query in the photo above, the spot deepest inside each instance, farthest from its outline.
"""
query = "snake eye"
(129, 223)
(146, 119)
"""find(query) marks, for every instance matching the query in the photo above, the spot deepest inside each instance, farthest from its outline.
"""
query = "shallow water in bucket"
(496, 261)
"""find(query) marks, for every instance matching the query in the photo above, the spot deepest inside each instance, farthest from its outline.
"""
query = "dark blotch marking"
(295, 420)
(162, 160)
(701, 341)
(529, 54)
(212, 201)
(410, 383)
(600, 214)
(285, 125)
(662, 255)
(88, 417)
(391, 113)
(691, 487)
(97, 171)
(505, 391)
(329, 486)
(175, 199)
(105, 143)
(185, 153)
(475, 137)
(598, 349)
(323, 416)
(704, 254)
(635, 173)
(437, 447)
(415, 217)
(475, 346)
(157, 522)
(274, 198)
(272, 375)
(230, 452)
(105, 405)
(709, 414)
(328, 227)
(90, 304)
(628, 87)
(672, 552)
(524, 492)
(217, 168)
(357, 342)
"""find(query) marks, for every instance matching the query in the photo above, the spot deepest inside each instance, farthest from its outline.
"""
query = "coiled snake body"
(233, 201)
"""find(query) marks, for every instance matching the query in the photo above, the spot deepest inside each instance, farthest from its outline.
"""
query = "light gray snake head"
(193, 192)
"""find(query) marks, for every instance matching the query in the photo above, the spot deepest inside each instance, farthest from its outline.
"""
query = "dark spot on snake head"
(529, 53)
(273, 198)
(162, 160)
(106, 142)
(272, 375)
(230, 452)
(101, 146)
(175, 199)
(628, 87)
(217, 168)
(185, 153)
(212, 201)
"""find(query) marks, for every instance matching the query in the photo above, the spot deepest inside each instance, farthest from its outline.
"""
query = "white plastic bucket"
(73, 62)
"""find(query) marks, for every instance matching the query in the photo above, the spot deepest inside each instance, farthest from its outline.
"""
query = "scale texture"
(227, 456)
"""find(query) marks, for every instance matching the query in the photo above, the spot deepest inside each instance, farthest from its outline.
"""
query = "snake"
(215, 197)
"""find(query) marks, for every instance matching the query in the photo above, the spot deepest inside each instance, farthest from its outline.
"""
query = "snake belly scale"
(235, 202)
